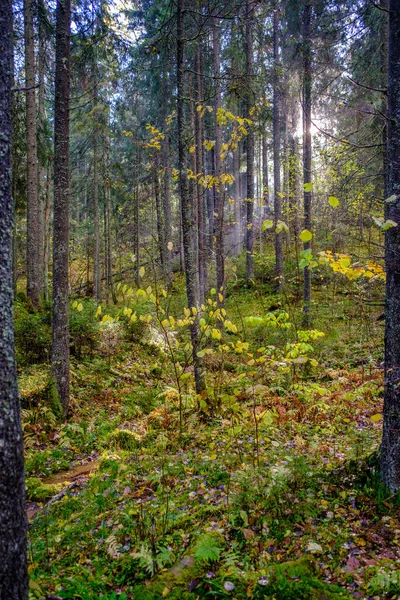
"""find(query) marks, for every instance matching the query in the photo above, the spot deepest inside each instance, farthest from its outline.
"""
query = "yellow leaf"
(170, 245)
(376, 418)
(142, 271)
(305, 235)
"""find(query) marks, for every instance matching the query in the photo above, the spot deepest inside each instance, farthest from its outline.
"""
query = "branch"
(25, 89)
(367, 87)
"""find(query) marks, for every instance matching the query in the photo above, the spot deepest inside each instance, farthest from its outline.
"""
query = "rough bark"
(265, 181)
(13, 523)
(34, 245)
(160, 220)
(307, 153)
(201, 202)
(219, 188)
(237, 247)
(277, 155)
(187, 230)
(250, 146)
(390, 447)
(60, 345)
(96, 213)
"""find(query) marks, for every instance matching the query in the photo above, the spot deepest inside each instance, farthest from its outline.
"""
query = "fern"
(145, 558)
(112, 547)
(207, 548)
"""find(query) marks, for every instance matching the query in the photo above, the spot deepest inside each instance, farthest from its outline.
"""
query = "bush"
(32, 334)
(83, 328)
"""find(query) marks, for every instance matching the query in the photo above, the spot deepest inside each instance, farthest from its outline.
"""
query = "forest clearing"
(199, 299)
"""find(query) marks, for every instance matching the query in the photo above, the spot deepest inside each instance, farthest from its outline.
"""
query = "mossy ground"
(292, 510)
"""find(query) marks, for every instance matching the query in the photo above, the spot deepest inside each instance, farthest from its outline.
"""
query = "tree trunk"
(201, 197)
(390, 447)
(219, 193)
(237, 238)
(46, 241)
(13, 522)
(187, 231)
(307, 150)
(96, 213)
(250, 146)
(277, 155)
(60, 346)
(266, 207)
(107, 220)
(34, 245)
(160, 220)
(44, 172)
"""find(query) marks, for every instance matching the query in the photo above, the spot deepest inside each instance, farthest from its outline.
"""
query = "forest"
(199, 299)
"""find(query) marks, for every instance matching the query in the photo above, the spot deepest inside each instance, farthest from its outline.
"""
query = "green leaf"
(305, 235)
(345, 262)
(388, 224)
(308, 187)
(333, 201)
(267, 224)
(391, 198)
(281, 226)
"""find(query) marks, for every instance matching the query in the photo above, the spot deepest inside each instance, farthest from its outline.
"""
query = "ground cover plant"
(265, 487)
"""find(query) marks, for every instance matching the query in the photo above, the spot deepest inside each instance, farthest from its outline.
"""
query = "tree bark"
(390, 447)
(219, 188)
(13, 522)
(34, 245)
(307, 154)
(201, 196)
(250, 146)
(187, 230)
(60, 346)
(277, 155)
(96, 212)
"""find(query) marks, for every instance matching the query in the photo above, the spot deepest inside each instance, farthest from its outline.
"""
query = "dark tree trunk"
(307, 153)
(219, 188)
(390, 447)
(13, 523)
(60, 346)
(96, 212)
(34, 245)
(167, 208)
(250, 146)
(265, 182)
(187, 230)
(277, 155)
(201, 196)
(159, 213)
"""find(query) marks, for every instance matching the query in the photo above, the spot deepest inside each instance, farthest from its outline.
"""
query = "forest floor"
(271, 494)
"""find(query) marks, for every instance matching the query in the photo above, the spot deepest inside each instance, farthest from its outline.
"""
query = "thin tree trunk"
(266, 207)
(250, 146)
(34, 246)
(277, 155)
(44, 149)
(107, 220)
(46, 241)
(237, 206)
(160, 220)
(184, 196)
(60, 346)
(96, 213)
(390, 447)
(219, 193)
(167, 209)
(307, 154)
(13, 522)
(201, 207)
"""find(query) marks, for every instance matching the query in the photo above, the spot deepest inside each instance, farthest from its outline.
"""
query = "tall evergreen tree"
(13, 523)
(60, 340)
(390, 447)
